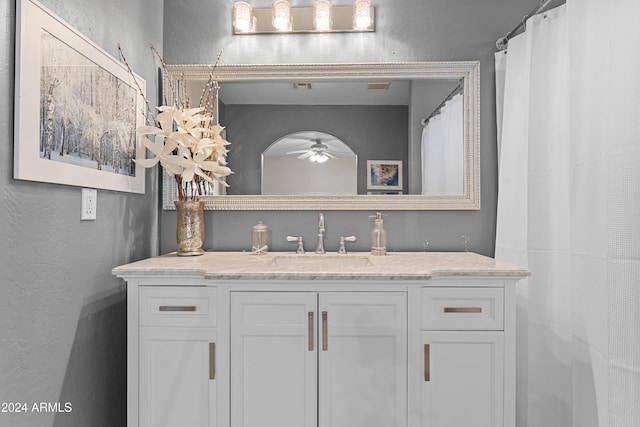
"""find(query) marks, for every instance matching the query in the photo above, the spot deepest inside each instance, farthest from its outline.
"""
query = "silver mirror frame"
(469, 71)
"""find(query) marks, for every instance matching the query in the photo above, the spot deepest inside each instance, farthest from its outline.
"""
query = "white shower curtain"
(442, 156)
(569, 210)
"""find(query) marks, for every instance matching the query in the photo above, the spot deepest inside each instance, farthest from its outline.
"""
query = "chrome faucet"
(321, 230)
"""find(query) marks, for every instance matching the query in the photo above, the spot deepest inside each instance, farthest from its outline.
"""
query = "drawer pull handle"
(212, 361)
(177, 308)
(311, 337)
(463, 309)
(427, 364)
(325, 343)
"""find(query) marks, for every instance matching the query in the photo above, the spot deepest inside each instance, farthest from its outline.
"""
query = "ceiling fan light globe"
(319, 157)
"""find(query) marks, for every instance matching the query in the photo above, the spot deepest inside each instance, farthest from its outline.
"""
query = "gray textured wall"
(407, 30)
(62, 313)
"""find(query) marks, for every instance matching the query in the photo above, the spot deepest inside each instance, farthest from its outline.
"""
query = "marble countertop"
(330, 266)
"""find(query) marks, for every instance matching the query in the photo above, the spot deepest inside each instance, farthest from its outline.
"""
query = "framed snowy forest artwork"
(77, 108)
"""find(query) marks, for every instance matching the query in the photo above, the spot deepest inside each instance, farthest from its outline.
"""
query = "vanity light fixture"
(321, 17)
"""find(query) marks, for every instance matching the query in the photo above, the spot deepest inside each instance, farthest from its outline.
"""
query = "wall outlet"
(89, 204)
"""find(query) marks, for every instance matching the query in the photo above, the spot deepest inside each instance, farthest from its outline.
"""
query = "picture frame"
(384, 193)
(77, 108)
(384, 175)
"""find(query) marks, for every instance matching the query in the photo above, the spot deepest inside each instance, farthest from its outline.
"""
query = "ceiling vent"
(302, 85)
(378, 86)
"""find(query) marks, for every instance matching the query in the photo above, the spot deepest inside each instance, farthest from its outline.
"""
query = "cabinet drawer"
(462, 309)
(177, 306)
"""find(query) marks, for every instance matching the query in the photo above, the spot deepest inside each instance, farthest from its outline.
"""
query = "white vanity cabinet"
(329, 359)
(176, 356)
(462, 349)
(463, 380)
(273, 359)
(405, 340)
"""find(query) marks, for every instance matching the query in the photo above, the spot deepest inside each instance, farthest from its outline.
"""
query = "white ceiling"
(321, 93)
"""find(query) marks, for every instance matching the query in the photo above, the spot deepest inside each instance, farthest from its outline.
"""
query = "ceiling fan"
(318, 152)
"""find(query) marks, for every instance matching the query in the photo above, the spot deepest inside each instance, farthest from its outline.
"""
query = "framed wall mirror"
(420, 118)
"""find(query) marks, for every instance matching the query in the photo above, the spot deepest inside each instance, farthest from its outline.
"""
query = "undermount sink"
(315, 261)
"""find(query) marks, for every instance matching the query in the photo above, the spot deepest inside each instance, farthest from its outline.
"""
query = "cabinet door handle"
(463, 309)
(212, 361)
(177, 308)
(325, 343)
(310, 333)
(427, 364)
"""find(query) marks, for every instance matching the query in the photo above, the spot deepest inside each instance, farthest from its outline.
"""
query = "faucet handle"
(342, 249)
(300, 249)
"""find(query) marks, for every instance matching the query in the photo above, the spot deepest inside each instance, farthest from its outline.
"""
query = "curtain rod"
(502, 42)
(435, 112)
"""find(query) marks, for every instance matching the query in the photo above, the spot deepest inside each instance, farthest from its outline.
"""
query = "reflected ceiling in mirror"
(404, 77)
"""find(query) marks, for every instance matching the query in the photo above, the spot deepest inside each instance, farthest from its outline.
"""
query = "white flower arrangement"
(186, 142)
(188, 146)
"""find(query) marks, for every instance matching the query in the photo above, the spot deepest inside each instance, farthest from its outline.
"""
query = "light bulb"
(362, 14)
(322, 15)
(281, 15)
(242, 16)
(319, 157)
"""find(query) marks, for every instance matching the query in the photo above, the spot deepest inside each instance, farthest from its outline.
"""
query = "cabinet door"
(363, 359)
(177, 377)
(463, 379)
(273, 359)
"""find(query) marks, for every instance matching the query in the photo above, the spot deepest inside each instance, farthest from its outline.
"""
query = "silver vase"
(190, 227)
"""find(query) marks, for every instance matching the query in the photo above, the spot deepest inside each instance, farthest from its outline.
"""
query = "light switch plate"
(89, 204)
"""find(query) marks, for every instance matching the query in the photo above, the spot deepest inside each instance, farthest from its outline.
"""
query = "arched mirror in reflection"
(309, 163)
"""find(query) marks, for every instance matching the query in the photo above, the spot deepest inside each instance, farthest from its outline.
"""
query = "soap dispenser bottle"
(378, 236)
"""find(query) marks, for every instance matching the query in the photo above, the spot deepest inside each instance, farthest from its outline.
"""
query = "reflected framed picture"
(384, 175)
(77, 108)
(384, 193)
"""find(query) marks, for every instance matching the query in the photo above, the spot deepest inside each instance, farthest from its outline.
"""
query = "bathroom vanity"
(287, 340)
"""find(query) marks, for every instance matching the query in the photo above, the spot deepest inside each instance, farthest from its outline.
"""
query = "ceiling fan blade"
(305, 155)
(296, 152)
(312, 139)
(301, 138)
(328, 154)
